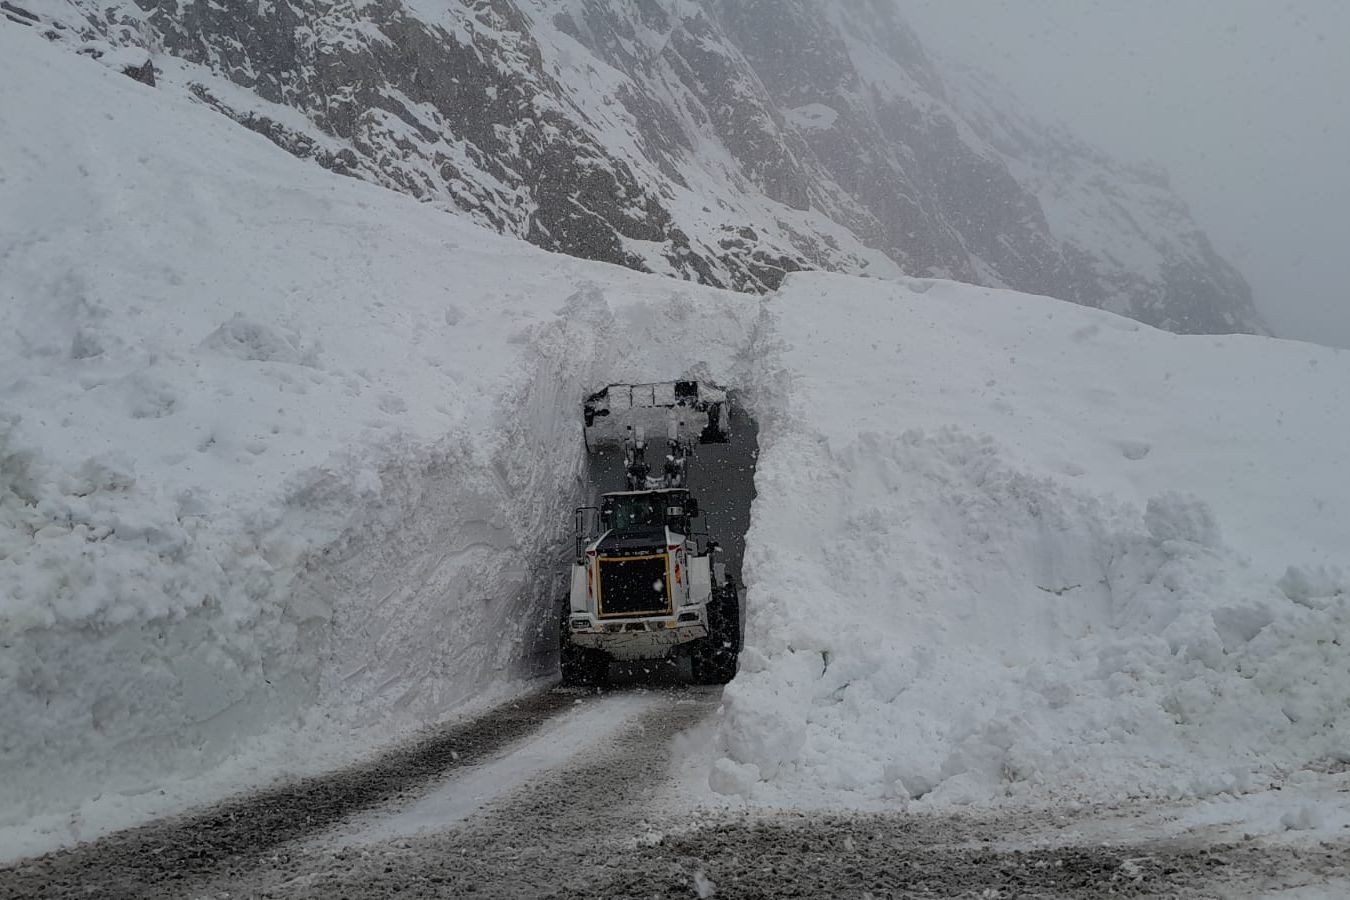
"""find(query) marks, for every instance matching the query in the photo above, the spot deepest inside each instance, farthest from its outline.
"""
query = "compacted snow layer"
(287, 461)
(1006, 547)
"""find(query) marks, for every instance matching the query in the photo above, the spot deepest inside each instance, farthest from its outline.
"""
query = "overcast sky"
(1243, 101)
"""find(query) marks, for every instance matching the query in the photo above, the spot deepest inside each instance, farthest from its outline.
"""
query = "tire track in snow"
(470, 788)
(167, 857)
(551, 833)
(605, 823)
(581, 807)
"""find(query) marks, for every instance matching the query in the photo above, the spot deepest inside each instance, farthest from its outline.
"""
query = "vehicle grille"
(634, 586)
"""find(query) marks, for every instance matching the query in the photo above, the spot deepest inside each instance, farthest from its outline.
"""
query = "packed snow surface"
(287, 461)
(1004, 547)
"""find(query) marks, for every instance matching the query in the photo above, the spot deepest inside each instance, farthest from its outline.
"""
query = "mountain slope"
(724, 141)
(286, 460)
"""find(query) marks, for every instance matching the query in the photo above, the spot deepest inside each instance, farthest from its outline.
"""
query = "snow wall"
(1005, 547)
(287, 461)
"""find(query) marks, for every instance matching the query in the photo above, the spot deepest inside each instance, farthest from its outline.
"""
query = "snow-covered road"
(287, 464)
(568, 794)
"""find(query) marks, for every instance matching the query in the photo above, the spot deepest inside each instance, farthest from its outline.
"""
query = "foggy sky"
(1244, 102)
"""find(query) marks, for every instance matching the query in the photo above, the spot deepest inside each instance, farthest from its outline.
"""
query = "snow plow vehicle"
(645, 583)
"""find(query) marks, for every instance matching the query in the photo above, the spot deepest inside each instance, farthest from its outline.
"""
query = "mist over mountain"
(727, 142)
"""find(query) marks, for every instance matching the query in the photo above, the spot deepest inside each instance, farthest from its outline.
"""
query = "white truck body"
(666, 566)
(644, 584)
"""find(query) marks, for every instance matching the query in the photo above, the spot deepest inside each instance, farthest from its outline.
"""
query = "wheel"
(715, 657)
(580, 666)
(714, 432)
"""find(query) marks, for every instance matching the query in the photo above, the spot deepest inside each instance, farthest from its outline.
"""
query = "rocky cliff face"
(725, 141)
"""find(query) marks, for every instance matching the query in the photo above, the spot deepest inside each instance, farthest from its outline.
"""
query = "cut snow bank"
(1007, 547)
(286, 460)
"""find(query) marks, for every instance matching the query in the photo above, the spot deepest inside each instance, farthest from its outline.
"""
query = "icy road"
(569, 794)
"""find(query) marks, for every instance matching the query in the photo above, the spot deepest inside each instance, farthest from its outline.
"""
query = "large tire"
(715, 657)
(581, 666)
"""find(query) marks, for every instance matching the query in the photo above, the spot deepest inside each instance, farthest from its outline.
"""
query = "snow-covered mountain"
(287, 465)
(723, 141)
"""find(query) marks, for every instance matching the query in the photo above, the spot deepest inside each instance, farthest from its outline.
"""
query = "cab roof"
(640, 493)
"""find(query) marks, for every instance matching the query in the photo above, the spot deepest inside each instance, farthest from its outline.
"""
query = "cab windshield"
(625, 512)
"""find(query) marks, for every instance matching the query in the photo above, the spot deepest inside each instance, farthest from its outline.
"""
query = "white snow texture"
(1008, 548)
(287, 462)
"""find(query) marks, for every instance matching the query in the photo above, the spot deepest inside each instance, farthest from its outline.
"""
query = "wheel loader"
(646, 582)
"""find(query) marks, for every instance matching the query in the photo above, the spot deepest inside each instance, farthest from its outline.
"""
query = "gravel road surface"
(567, 794)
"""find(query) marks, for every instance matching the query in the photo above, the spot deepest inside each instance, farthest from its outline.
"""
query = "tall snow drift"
(286, 462)
(1007, 547)
(286, 459)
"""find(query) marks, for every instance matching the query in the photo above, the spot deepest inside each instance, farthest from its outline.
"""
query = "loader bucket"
(659, 410)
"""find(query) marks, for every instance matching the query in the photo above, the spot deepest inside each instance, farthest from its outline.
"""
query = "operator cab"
(642, 510)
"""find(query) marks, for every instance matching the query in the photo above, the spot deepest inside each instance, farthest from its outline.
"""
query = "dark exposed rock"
(144, 73)
(725, 141)
(17, 13)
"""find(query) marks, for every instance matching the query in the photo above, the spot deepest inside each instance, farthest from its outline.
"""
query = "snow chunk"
(247, 339)
(813, 117)
(1174, 516)
(1305, 818)
(1314, 586)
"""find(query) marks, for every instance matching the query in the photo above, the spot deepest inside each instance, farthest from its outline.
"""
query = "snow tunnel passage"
(723, 479)
(721, 476)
